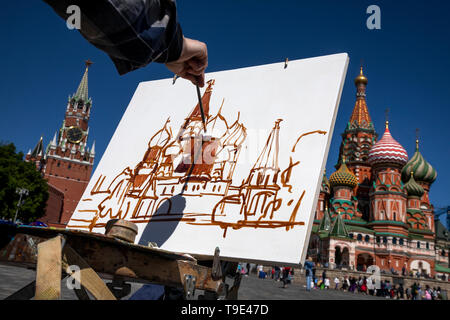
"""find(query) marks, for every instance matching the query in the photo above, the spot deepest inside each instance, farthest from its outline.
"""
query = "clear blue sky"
(407, 64)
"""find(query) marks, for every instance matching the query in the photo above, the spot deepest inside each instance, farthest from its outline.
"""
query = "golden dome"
(361, 78)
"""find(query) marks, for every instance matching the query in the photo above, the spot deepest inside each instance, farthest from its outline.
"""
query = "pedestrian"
(272, 272)
(408, 294)
(336, 283)
(286, 276)
(134, 33)
(401, 292)
(327, 283)
(370, 286)
(309, 265)
(277, 273)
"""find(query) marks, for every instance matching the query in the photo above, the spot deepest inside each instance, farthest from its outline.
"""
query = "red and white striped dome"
(387, 150)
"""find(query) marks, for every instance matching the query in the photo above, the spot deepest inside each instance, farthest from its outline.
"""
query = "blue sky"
(407, 64)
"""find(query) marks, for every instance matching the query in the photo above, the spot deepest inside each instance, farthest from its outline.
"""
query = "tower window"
(385, 240)
(418, 244)
(394, 240)
(378, 239)
(367, 238)
(401, 241)
(427, 246)
(359, 237)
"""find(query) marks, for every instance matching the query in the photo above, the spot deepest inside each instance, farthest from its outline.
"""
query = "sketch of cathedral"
(193, 164)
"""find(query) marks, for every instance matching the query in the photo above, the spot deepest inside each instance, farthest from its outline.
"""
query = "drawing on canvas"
(183, 164)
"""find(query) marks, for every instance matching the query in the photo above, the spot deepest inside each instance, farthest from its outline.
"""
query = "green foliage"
(16, 173)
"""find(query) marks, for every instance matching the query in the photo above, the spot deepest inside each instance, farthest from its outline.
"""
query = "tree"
(16, 173)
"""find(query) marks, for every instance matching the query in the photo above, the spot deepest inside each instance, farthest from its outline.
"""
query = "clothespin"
(286, 63)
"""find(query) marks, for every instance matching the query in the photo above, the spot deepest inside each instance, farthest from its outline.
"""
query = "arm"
(135, 33)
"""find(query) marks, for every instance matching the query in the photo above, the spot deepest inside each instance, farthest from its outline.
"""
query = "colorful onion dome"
(387, 150)
(343, 177)
(423, 171)
(413, 188)
(361, 78)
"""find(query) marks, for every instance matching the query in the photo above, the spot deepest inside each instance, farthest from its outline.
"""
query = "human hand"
(192, 62)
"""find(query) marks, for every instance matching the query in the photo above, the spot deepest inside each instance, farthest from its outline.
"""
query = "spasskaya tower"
(66, 163)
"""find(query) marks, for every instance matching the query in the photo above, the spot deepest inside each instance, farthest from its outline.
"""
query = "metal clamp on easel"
(220, 271)
(189, 287)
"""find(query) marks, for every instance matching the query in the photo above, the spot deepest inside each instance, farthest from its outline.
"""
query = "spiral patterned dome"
(387, 150)
(423, 171)
(413, 188)
(343, 177)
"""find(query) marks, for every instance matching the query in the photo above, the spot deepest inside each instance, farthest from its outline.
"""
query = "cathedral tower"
(358, 138)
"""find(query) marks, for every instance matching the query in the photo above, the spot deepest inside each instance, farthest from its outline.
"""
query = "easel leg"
(87, 277)
(48, 270)
(81, 293)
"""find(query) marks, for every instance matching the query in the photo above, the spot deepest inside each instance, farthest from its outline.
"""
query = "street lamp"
(21, 192)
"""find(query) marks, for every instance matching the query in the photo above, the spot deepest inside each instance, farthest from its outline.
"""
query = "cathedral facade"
(67, 161)
(375, 208)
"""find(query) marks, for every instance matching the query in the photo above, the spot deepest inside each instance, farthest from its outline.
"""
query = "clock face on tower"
(74, 134)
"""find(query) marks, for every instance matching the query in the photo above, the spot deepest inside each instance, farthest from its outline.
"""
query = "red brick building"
(67, 161)
(375, 209)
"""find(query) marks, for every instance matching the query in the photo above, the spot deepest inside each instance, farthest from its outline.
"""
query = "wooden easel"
(52, 251)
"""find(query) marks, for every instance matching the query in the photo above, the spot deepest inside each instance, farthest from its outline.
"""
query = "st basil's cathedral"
(375, 208)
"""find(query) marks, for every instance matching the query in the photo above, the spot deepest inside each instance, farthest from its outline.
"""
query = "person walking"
(401, 292)
(309, 267)
(327, 283)
(286, 276)
(370, 286)
(336, 283)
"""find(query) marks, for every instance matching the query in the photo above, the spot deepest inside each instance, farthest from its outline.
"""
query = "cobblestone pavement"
(252, 288)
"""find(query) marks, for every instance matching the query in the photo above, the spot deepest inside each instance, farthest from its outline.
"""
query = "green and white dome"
(423, 171)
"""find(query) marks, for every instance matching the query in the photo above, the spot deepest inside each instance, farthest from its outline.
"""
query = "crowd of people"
(370, 286)
(385, 289)
(361, 285)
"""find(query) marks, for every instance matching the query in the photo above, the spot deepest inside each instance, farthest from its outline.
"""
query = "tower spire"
(360, 117)
(82, 91)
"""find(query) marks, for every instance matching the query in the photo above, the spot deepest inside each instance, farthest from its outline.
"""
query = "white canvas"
(254, 195)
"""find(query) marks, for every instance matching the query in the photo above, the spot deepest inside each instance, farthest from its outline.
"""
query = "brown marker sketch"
(194, 166)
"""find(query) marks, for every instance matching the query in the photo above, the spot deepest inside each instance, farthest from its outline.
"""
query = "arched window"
(367, 238)
(385, 240)
(418, 244)
(378, 239)
(427, 246)
(350, 235)
(394, 240)
(359, 237)
(401, 241)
